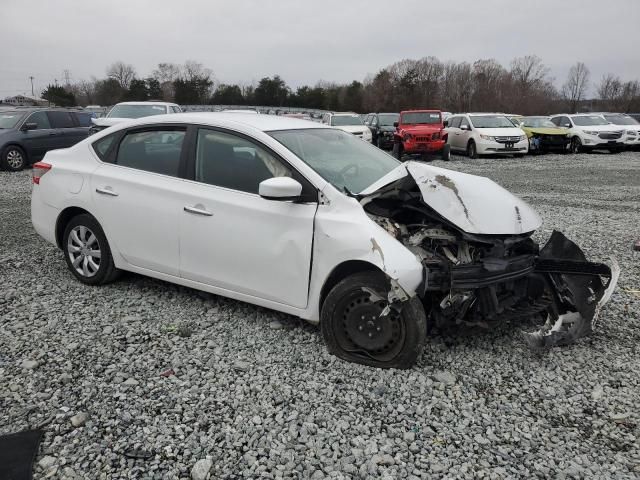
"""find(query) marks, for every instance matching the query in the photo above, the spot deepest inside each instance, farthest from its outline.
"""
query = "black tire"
(13, 158)
(106, 270)
(576, 145)
(472, 151)
(397, 150)
(446, 152)
(379, 142)
(398, 338)
(615, 150)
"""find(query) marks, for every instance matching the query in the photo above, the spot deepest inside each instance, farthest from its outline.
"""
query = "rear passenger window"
(61, 119)
(155, 151)
(176, 110)
(84, 119)
(229, 161)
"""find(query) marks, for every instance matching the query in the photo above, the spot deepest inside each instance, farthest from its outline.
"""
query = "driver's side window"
(230, 161)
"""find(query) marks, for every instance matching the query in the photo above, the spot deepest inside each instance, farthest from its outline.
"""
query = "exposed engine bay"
(482, 279)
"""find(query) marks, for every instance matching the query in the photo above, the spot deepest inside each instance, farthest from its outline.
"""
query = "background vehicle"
(315, 223)
(589, 131)
(382, 128)
(27, 134)
(543, 134)
(485, 134)
(420, 132)
(630, 124)
(348, 122)
(129, 110)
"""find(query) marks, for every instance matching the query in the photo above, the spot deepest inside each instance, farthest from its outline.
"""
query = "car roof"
(264, 123)
(421, 110)
(145, 103)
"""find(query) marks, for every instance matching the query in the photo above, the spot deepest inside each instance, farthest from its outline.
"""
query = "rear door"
(42, 139)
(136, 194)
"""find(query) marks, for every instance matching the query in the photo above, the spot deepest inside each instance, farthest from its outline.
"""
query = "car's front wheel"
(13, 158)
(472, 150)
(358, 328)
(576, 145)
(87, 251)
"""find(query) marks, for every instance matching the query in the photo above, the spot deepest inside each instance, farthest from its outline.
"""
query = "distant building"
(26, 100)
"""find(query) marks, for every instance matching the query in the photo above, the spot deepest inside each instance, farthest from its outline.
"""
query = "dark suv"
(382, 129)
(27, 134)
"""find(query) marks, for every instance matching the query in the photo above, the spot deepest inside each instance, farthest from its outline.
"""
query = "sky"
(305, 41)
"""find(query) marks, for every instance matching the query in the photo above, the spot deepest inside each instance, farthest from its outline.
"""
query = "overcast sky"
(308, 40)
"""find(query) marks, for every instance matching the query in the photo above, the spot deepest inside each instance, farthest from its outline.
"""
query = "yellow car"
(544, 136)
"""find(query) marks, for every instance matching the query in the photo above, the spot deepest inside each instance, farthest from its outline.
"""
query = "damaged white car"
(311, 221)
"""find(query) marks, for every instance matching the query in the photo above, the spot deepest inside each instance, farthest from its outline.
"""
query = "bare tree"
(166, 74)
(575, 88)
(528, 72)
(122, 73)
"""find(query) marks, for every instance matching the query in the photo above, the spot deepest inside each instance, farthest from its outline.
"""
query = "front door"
(137, 197)
(41, 139)
(232, 238)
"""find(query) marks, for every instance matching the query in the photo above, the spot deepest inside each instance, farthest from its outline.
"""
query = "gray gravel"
(110, 372)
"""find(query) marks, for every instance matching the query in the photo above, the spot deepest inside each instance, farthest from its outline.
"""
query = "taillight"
(39, 169)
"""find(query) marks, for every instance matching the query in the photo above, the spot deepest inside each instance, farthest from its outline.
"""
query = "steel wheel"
(84, 251)
(365, 331)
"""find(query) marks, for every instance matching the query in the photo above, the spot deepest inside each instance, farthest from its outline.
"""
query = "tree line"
(524, 86)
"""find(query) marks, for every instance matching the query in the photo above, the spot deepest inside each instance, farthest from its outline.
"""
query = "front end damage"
(483, 278)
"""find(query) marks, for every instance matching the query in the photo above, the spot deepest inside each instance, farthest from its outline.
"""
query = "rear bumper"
(43, 217)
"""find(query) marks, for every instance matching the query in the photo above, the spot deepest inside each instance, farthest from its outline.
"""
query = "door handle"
(106, 191)
(198, 211)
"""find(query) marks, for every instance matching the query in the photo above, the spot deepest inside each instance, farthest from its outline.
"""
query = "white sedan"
(311, 221)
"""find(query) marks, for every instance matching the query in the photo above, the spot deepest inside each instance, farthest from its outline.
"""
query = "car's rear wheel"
(380, 142)
(472, 150)
(13, 158)
(446, 152)
(87, 251)
(576, 145)
(357, 328)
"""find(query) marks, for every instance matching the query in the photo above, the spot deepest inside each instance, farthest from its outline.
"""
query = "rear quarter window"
(103, 146)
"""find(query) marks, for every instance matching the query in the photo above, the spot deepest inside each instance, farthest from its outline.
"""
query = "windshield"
(490, 121)
(344, 120)
(136, 111)
(589, 120)
(10, 119)
(621, 120)
(537, 122)
(387, 119)
(340, 158)
(421, 118)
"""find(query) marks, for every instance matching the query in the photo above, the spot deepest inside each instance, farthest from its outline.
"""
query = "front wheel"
(356, 327)
(472, 150)
(576, 145)
(87, 251)
(446, 152)
(13, 159)
(397, 150)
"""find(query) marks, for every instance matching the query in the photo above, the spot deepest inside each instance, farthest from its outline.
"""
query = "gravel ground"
(206, 384)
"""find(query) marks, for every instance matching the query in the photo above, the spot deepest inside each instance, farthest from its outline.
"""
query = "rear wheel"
(446, 152)
(13, 158)
(472, 151)
(379, 142)
(356, 328)
(87, 251)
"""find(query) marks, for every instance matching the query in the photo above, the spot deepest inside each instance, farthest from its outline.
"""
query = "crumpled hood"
(108, 122)
(474, 204)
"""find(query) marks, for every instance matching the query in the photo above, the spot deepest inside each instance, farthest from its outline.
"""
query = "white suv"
(350, 123)
(630, 124)
(485, 134)
(589, 131)
(127, 110)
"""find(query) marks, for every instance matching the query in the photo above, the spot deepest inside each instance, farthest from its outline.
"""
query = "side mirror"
(29, 126)
(464, 127)
(395, 124)
(445, 123)
(567, 125)
(280, 188)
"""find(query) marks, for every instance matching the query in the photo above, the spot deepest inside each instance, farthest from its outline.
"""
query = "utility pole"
(32, 94)
(67, 77)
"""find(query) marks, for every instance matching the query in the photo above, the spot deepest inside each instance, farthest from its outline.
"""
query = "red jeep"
(420, 132)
